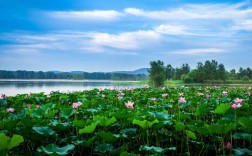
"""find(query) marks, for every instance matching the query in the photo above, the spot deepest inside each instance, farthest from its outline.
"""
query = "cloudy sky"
(99, 35)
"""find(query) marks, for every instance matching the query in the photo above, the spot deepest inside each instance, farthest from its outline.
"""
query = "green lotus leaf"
(179, 126)
(51, 113)
(103, 148)
(8, 143)
(104, 121)
(66, 112)
(79, 123)
(89, 142)
(107, 136)
(8, 124)
(160, 115)
(221, 128)
(190, 134)
(129, 131)
(240, 151)
(89, 128)
(117, 151)
(127, 154)
(44, 130)
(155, 150)
(145, 124)
(242, 136)
(53, 149)
(222, 108)
(246, 124)
(38, 113)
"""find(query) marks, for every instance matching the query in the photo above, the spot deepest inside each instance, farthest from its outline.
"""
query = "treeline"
(209, 71)
(128, 77)
(23, 74)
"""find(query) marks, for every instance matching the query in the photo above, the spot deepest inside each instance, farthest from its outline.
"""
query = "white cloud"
(195, 11)
(81, 42)
(100, 15)
(127, 40)
(243, 25)
(199, 51)
(171, 29)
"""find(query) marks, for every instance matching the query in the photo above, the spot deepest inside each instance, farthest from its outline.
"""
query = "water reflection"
(14, 87)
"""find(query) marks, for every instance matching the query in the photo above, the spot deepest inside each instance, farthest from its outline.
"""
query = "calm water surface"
(14, 87)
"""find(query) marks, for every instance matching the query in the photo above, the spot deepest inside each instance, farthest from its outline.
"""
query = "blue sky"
(98, 35)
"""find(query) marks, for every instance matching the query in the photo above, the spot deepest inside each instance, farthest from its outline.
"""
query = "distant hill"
(77, 72)
(55, 71)
(138, 71)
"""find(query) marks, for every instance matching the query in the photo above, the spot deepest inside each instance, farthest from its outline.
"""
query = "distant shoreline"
(64, 80)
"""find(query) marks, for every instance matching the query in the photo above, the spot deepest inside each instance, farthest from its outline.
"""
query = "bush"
(245, 78)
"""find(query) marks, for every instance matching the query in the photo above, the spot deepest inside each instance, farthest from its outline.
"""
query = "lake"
(14, 87)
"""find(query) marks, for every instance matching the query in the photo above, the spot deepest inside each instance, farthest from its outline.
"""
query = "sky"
(112, 35)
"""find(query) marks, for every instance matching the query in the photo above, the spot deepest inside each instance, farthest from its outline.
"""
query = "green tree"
(157, 73)
(221, 72)
(169, 72)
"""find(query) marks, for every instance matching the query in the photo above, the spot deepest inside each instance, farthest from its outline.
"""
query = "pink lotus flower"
(164, 95)
(248, 93)
(182, 100)
(228, 145)
(11, 110)
(3, 96)
(76, 104)
(207, 96)
(238, 101)
(37, 106)
(129, 104)
(29, 106)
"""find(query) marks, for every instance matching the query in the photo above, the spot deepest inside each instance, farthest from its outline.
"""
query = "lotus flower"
(224, 93)
(228, 145)
(207, 96)
(10, 110)
(3, 96)
(129, 104)
(237, 103)
(153, 99)
(164, 95)
(248, 93)
(37, 106)
(76, 104)
(103, 96)
(182, 100)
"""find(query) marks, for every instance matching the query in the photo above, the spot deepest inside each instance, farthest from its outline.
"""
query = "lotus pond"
(192, 120)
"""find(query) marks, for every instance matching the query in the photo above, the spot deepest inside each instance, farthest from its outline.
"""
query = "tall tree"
(221, 72)
(157, 73)
(169, 71)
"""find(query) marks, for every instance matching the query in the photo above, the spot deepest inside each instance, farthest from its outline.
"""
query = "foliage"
(157, 73)
(103, 125)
